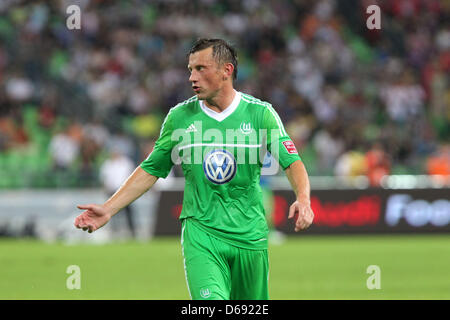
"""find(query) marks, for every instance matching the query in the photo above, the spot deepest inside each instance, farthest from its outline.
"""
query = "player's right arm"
(157, 165)
(96, 216)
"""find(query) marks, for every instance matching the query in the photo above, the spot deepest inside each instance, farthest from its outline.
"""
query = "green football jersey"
(221, 155)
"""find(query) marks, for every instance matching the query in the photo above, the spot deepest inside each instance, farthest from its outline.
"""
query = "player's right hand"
(93, 218)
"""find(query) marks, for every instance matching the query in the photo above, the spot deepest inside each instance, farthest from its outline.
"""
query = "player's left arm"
(298, 178)
(283, 149)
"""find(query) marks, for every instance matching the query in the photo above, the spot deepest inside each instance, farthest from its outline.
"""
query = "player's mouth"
(196, 89)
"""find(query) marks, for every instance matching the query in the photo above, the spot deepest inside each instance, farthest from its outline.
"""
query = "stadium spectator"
(329, 146)
(378, 164)
(113, 172)
(403, 98)
(89, 151)
(316, 64)
(12, 132)
(97, 132)
(122, 142)
(439, 162)
(64, 150)
(351, 164)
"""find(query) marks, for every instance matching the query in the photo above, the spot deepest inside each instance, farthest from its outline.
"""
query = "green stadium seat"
(30, 117)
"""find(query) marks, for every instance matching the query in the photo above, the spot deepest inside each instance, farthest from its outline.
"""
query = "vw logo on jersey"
(219, 166)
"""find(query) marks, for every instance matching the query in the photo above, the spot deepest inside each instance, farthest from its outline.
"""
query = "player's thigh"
(206, 270)
(250, 275)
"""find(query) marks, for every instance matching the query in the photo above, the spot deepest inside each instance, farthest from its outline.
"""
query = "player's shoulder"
(257, 105)
(253, 100)
(180, 109)
(187, 102)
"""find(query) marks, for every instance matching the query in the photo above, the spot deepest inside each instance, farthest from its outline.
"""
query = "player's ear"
(228, 70)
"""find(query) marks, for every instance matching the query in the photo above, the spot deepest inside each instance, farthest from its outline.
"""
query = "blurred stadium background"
(369, 111)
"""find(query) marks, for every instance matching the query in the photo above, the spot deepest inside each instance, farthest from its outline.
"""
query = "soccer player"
(219, 136)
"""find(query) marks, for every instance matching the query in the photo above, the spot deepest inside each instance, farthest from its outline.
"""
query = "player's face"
(207, 77)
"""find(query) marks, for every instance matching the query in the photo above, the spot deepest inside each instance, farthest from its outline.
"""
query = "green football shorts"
(216, 270)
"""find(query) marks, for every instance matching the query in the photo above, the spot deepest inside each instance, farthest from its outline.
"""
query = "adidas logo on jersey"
(191, 128)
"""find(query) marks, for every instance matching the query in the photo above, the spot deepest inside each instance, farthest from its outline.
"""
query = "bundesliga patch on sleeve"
(290, 147)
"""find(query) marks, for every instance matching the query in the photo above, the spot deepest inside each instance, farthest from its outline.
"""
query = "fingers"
(78, 223)
(86, 206)
(89, 227)
(304, 220)
(292, 210)
(82, 223)
(301, 221)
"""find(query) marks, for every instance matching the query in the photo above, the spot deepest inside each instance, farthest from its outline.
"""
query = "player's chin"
(200, 96)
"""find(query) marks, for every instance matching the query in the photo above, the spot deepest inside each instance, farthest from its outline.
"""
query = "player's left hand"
(305, 214)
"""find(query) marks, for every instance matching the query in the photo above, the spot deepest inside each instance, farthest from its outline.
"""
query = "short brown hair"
(222, 51)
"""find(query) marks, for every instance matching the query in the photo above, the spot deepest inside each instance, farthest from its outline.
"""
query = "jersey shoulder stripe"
(185, 102)
(191, 99)
(250, 99)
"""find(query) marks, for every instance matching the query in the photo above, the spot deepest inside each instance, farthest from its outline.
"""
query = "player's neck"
(222, 101)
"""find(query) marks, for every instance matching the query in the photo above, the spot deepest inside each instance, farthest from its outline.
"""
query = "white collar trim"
(220, 116)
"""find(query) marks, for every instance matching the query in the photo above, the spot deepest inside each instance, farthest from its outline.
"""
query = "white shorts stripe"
(184, 259)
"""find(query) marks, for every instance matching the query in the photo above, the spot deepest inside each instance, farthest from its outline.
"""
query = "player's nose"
(193, 77)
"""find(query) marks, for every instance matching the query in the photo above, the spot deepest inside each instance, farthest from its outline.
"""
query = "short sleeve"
(278, 142)
(159, 161)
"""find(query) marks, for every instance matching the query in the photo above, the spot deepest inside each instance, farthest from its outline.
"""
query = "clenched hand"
(305, 214)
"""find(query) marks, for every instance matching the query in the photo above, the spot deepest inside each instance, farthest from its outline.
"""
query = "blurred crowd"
(355, 101)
